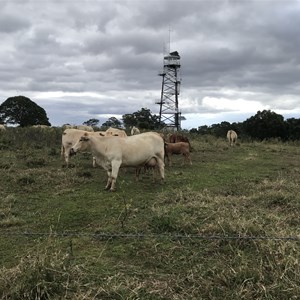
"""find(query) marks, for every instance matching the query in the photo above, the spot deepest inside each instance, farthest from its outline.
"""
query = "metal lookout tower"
(169, 114)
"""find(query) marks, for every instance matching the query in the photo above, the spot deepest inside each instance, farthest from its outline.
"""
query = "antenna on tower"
(170, 38)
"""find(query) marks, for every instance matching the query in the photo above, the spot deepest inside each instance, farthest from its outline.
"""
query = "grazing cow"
(2, 127)
(115, 132)
(69, 138)
(134, 130)
(231, 137)
(132, 151)
(176, 138)
(178, 148)
(85, 128)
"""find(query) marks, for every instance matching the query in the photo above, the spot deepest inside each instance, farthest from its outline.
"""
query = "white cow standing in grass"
(231, 137)
(69, 137)
(113, 153)
(134, 130)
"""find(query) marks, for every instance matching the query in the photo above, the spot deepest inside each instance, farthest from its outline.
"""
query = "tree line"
(266, 124)
(263, 125)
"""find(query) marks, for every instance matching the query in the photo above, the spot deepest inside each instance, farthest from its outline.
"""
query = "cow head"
(80, 145)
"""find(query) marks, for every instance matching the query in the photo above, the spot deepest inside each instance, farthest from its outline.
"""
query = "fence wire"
(139, 236)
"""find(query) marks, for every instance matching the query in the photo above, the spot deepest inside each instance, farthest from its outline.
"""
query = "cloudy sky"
(83, 59)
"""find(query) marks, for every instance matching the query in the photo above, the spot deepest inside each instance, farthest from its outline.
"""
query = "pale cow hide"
(113, 153)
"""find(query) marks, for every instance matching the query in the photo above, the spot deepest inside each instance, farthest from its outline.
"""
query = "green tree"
(265, 124)
(293, 128)
(91, 122)
(112, 122)
(143, 119)
(23, 111)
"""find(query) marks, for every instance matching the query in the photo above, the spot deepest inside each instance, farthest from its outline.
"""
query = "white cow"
(231, 137)
(67, 126)
(85, 127)
(69, 138)
(41, 126)
(115, 132)
(134, 130)
(133, 151)
(2, 127)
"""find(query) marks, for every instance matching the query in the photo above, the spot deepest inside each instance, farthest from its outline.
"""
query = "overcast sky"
(83, 59)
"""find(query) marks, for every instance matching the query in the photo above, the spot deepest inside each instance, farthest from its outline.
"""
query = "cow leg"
(67, 157)
(161, 168)
(94, 162)
(137, 173)
(62, 151)
(114, 174)
(109, 180)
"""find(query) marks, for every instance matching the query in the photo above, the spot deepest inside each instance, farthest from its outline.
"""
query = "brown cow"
(176, 138)
(178, 148)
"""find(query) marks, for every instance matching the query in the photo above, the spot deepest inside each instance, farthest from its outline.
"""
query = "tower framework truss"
(169, 113)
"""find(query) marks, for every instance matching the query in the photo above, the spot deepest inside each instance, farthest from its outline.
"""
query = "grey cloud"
(115, 50)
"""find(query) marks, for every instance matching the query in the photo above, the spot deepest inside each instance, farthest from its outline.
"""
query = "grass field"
(227, 227)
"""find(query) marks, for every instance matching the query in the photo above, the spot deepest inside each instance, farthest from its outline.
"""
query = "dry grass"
(251, 191)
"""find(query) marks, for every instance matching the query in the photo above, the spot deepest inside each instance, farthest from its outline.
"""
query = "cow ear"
(100, 133)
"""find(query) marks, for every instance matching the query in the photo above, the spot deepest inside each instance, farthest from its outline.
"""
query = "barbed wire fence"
(140, 236)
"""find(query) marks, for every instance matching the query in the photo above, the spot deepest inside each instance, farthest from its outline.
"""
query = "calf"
(178, 148)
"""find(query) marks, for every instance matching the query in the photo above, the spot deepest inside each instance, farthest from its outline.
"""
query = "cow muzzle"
(72, 152)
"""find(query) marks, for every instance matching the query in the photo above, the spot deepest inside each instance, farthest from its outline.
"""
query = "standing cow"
(113, 152)
(231, 137)
(85, 128)
(178, 148)
(176, 138)
(134, 130)
(69, 137)
(115, 132)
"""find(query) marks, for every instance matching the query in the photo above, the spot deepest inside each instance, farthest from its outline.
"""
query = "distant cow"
(2, 127)
(85, 127)
(115, 132)
(134, 130)
(67, 126)
(178, 148)
(133, 151)
(40, 126)
(69, 138)
(231, 137)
